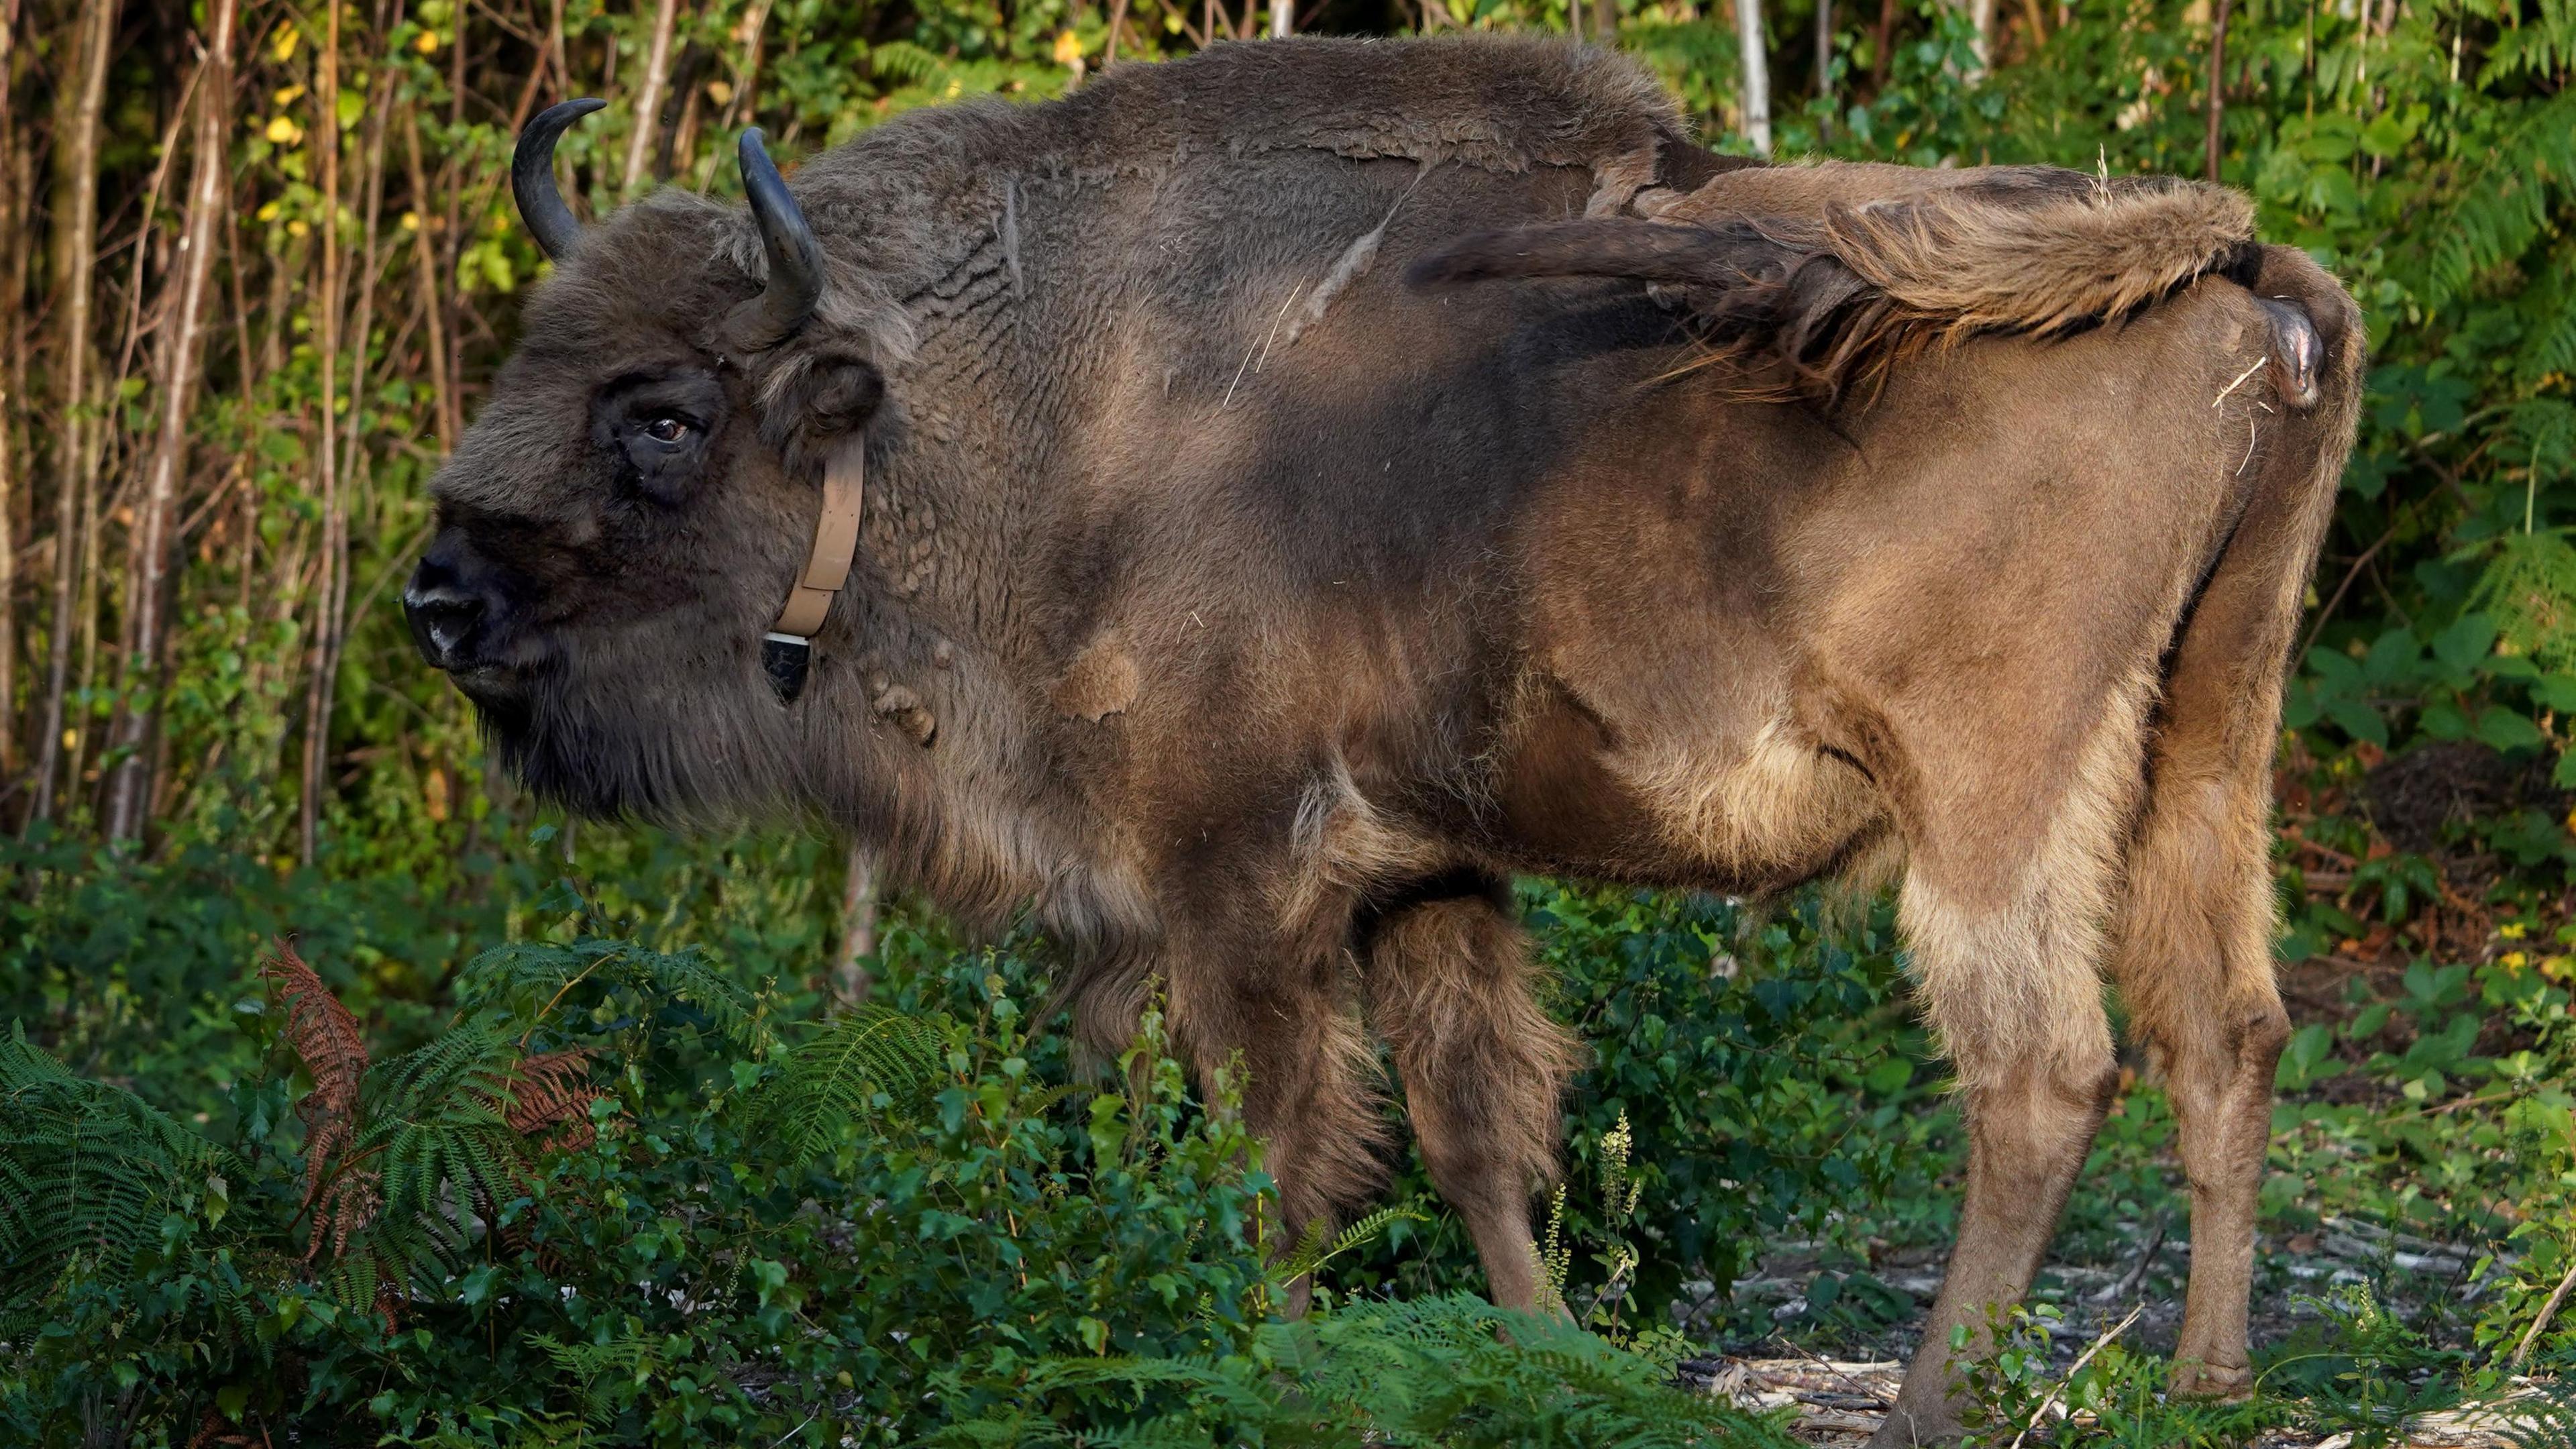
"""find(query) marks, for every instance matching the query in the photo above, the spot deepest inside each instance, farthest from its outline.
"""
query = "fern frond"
(2504, 204)
(1313, 1252)
(836, 1076)
(86, 1169)
(2549, 342)
(533, 979)
(2545, 1421)
(548, 1100)
(2530, 588)
(904, 62)
(326, 1038)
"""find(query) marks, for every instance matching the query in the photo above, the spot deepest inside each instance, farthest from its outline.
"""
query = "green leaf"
(2507, 730)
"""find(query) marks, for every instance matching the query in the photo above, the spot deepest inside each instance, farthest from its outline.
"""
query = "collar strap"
(787, 650)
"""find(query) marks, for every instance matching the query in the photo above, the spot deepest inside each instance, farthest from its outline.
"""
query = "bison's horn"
(795, 259)
(532, 178)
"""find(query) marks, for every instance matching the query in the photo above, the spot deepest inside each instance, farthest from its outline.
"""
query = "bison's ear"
(818, 399)
(844, 393)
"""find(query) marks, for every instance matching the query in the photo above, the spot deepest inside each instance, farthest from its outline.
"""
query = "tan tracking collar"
(788, 649)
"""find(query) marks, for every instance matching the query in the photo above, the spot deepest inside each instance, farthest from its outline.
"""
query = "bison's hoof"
(1906, 1430)
(2194, 1379)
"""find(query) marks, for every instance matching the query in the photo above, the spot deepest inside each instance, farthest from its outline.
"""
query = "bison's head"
(622, 524)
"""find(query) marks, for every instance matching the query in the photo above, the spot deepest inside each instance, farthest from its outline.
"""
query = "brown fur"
(1252, 657)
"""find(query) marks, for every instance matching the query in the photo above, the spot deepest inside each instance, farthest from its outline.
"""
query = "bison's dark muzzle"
(455, 606)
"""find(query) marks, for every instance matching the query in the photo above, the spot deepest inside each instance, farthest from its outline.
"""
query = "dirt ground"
(1841, 1400)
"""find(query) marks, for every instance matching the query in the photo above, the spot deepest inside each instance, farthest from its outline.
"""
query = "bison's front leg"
(1286, 1023)
(1449, 987)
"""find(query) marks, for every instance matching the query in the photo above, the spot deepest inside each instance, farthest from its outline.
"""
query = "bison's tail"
(1835, 298)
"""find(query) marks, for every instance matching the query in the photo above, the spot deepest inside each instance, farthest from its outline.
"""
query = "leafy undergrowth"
(621, 1198)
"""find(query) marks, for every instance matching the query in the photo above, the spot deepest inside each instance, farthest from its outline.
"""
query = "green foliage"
(87, 1173)
(498, 1284)
(1446, 1371)
(869, 1061)
(922, 1218)
(1751, 1066)
(744, 1237)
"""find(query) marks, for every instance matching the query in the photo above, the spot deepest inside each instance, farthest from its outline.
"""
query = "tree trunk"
(329, 585)
(648, 101)
(1757, 75)
(1825, 52)
(432, 303)
(2217, 84)
(13, 301)
(75, 260)
(1605, 22)
(183, 354)
(858, 930)
(1283, 18)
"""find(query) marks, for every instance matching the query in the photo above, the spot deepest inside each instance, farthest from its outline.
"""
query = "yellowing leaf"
(1068, 48)
(284, 132)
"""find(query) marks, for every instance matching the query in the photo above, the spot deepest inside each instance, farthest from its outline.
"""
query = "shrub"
(622, 1198)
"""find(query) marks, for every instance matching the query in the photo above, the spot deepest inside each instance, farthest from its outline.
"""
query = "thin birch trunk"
(75, 263)
(183, 348)
(2217, 86)
(1751, 42)
(370, 260)
(327, 590)
(850, 982)
(1825, 51)
(425, 263)
(13, 216)
(751, 32)
(648, 101)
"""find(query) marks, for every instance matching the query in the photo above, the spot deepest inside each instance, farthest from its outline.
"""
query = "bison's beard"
(664, 750)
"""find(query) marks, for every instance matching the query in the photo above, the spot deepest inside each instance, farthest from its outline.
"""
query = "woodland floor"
(1841, 1399)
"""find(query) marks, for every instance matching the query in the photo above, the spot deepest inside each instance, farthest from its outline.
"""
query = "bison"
(1246, 511)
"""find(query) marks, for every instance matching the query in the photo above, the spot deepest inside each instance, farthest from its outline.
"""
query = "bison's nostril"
(444, 621)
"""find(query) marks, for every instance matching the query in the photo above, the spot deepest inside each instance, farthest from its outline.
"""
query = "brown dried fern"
(326, 1038)
(346, 1205)
(548, 1100)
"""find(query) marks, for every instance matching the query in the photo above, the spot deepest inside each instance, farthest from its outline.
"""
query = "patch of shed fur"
(1101, 681)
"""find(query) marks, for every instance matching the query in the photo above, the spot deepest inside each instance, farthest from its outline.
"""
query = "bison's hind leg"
(1448, 980)
(2012, 863)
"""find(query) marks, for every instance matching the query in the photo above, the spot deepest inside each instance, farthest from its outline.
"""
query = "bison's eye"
(659, 431)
